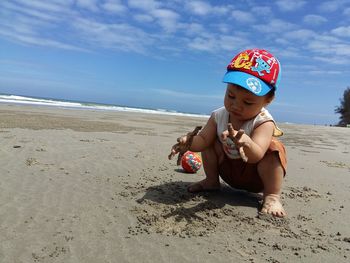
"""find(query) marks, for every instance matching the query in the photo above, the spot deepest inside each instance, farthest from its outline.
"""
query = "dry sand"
(90, 186)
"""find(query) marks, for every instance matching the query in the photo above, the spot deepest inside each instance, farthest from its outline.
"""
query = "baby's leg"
(271, 172)
(211, 159)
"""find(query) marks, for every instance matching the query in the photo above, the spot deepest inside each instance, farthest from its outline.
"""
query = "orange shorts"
(241, 175)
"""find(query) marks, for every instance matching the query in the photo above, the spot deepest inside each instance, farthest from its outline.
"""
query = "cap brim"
(247, 81)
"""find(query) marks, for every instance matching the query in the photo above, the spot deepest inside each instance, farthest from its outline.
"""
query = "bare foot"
(203, 186)
(272, 205)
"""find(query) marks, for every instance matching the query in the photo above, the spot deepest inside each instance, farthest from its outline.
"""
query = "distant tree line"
(344, 109)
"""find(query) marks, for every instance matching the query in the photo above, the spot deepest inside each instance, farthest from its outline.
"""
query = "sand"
(92, 186)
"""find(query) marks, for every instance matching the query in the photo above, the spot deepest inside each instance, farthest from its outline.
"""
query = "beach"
(97, 186)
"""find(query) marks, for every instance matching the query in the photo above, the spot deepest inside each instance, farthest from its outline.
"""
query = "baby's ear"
(269, 99)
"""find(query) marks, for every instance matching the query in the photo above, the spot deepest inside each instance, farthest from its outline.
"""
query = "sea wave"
(16, 99)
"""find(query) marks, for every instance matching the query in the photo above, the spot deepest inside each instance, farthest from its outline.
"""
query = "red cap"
(254, 69)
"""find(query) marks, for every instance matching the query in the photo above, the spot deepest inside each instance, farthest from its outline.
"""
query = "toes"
(273, 206)
(278, 213)
(264, 210)
(195, 188)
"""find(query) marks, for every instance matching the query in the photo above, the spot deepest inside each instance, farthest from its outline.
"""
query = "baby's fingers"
(174, 150)
(242, 154)
(239, 134)
(224, 135)
(182, 139)
(231, 131)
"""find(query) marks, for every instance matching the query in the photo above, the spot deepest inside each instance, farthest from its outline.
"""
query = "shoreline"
(53, 109)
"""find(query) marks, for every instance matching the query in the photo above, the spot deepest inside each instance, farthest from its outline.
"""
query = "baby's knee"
(219, 151)
(214, 150)
(269, 161)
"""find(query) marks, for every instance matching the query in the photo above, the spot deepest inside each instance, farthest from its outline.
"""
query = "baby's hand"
(180, 146)
(238, 139)
(183, 144)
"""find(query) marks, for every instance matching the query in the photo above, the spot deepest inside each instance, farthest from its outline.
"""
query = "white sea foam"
(15, 99)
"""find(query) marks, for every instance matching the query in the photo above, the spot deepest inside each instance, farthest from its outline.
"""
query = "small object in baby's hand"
(191, 162)
(181, 149)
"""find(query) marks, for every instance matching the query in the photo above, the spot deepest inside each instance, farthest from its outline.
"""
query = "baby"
(238, 143)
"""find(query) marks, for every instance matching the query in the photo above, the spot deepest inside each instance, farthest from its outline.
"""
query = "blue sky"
(173, 54)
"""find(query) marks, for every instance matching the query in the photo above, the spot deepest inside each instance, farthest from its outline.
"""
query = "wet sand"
(92, 186)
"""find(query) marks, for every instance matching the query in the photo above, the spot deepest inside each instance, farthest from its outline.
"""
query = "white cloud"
(342, 49)
(326, 72)
(221, 10)
(88, 4)
(198, 7)
(223, 28)
(229, 43)
(347, 12)
(29, 12)
(24, 23)
(343, 31)
(143, 18)
(324, 40)
(22, 26)
(290, 52)
(202, 44)
(314, 20)
(334, 5)
(301, 34)
(312, 69)
(147, 5)
(261, 11)
(318, 46)
(330, 49)
(275, 26)
(330, 6)
(332, 60)
(113, 36)
(58, 23)
(114, 7)
(218, 43)
(166, 18)
(39, 41)
(243, 17)
(202, 8)
(45, 6)
(194, 29)
(286, 5)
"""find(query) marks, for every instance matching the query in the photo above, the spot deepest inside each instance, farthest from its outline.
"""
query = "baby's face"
(243, 104)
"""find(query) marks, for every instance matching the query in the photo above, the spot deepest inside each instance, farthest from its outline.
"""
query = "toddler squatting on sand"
(238, 143)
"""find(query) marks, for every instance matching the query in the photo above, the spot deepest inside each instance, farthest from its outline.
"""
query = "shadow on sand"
(176, 195)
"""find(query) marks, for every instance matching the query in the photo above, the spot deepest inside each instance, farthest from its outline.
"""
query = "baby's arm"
(199, 142)
(206, 136)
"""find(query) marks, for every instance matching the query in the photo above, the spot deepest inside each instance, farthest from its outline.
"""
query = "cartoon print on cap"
(254, 85)
(258, 61)
(261, 66)
(242, 61)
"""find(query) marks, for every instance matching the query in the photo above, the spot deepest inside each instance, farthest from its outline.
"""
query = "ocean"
(16, 99)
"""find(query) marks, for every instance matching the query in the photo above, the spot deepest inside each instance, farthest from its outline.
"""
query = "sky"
(173, 54)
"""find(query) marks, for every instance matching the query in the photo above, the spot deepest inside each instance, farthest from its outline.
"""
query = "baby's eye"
(248, 103)
(231, 96)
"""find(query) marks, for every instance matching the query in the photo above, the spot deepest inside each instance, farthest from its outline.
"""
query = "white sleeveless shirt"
(221, 117)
